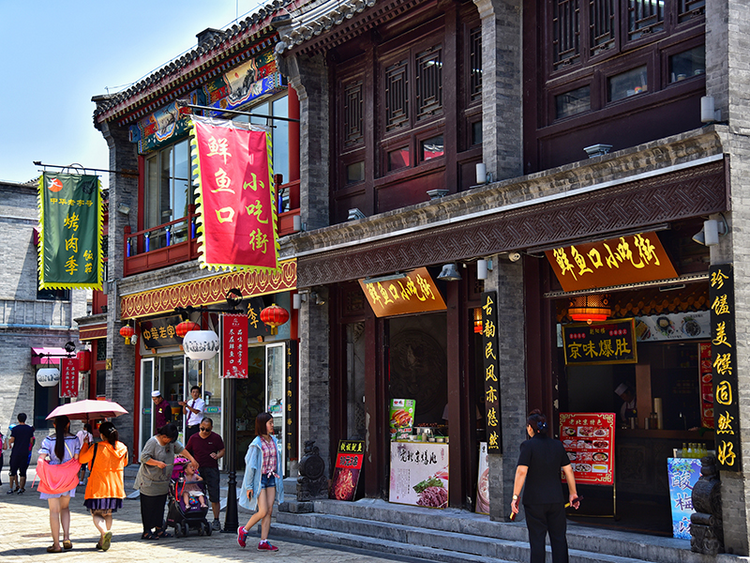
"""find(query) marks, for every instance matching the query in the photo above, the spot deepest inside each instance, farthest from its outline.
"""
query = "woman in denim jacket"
(263, 482)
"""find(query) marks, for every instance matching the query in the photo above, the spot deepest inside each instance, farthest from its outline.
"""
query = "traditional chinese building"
(502, 207)
(154, 276)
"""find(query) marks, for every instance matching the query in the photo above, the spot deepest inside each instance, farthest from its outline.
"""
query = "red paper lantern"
(186, 326)
(590, 308)
(274, 316)
(84, 360)
(127, 333)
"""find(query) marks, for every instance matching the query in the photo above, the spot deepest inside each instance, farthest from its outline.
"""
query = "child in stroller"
(187, 500)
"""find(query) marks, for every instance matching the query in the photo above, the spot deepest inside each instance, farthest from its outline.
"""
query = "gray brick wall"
(314, 388)
(502, 101)
(309, 77)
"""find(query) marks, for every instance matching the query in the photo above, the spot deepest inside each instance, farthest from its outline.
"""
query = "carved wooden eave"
(662, 181)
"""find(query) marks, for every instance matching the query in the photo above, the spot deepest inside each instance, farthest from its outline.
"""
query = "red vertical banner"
(234, 346)
(69, 377)
(235, 194)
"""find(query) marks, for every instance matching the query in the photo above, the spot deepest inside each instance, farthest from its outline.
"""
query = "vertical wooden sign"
(491, 372)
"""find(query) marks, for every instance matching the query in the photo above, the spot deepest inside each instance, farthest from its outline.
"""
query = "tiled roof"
(320, 17)
(209, 52)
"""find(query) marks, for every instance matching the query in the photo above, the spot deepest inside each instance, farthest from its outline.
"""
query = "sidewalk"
(26, 536)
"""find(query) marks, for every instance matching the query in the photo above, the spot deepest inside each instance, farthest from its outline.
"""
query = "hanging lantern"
(48, 377)
(200, 344)
(127, 333)
(274, 316)
(589, 308)
(186, 326)
(478, 320)
(84, 360)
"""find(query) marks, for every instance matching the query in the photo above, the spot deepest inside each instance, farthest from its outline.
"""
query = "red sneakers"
(265, 546)
(242, 534)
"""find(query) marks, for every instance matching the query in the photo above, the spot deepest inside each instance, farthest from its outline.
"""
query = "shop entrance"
(262, 391)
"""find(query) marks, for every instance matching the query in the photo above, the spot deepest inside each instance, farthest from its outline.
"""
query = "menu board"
(705, 373)
(589, 440)
(673, 326)
(419, 474)
(483, 481)
(348, 467)
(683, 475)
(402, 417)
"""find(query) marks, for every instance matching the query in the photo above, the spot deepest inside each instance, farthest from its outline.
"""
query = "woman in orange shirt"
(106, 487)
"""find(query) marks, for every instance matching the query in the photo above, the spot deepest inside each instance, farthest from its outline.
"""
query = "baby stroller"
(186, 517)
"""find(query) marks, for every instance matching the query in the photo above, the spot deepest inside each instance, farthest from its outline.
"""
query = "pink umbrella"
(88, 410)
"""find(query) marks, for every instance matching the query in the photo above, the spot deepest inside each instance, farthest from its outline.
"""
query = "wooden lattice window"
(602, 28)
(565, 33)
(644, 17)
(397, 94)
(689, 9)
(353, 104)
(475, 60)
(429, 82)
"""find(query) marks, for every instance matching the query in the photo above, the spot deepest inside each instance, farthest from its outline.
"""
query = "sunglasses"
(204, 429)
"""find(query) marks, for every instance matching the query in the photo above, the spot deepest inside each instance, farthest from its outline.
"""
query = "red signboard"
(349, 460)
(235, 195)
(589, 439)
(627, 259)
(234, 346)
(69, 377)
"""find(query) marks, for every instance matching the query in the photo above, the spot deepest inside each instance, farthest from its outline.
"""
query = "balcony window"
(687, 64)
(398, 159)
(573, 102)
(355, 172)
(168, 192)
(628, 84)
(432, 148)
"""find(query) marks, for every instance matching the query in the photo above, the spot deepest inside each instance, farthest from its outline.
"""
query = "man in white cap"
(628, 401)
(162, 410)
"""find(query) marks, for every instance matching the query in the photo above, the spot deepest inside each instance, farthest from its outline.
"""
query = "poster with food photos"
(349, 458)
(589, 440)
(419, 474)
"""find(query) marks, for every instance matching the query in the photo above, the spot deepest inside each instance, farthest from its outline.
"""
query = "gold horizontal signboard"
(413, 292)
(627, 259)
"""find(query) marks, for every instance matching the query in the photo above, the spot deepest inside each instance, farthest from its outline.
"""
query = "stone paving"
(25, 536)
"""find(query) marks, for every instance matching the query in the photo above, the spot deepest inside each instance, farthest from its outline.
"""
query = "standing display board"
(483, 481)
(347, 470)
(419, 474)
(683, 475)
(589, 440)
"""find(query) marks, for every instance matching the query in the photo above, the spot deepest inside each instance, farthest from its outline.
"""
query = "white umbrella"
(88, 410)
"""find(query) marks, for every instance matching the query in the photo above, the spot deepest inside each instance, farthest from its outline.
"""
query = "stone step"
(434, 545)
(456, 533)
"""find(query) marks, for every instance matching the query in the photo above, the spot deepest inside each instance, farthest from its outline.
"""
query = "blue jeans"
(267, 482)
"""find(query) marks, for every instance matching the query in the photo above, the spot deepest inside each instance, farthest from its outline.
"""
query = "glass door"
(149, 382)
(275, 357)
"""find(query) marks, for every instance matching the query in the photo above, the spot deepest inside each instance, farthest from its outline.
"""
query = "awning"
(92, 332)
(39, 355)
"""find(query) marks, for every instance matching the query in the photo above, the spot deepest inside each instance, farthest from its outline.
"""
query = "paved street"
(25, 537)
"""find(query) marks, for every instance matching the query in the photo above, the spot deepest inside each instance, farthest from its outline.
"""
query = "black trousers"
(542, 519)
(152, 511)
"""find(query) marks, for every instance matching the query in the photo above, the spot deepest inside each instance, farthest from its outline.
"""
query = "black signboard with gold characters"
(724, 366)
(159, 333)
(491, 372)
(611, 342)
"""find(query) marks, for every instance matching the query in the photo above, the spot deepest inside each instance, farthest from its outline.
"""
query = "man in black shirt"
(539, 468)
(21, 438)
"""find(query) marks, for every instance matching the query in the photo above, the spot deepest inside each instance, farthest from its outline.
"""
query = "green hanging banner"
(70, 241)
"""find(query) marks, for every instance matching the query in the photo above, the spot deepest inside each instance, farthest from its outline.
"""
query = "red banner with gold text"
(235, 195)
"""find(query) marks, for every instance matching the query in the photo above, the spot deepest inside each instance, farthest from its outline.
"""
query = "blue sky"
(56, 54)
